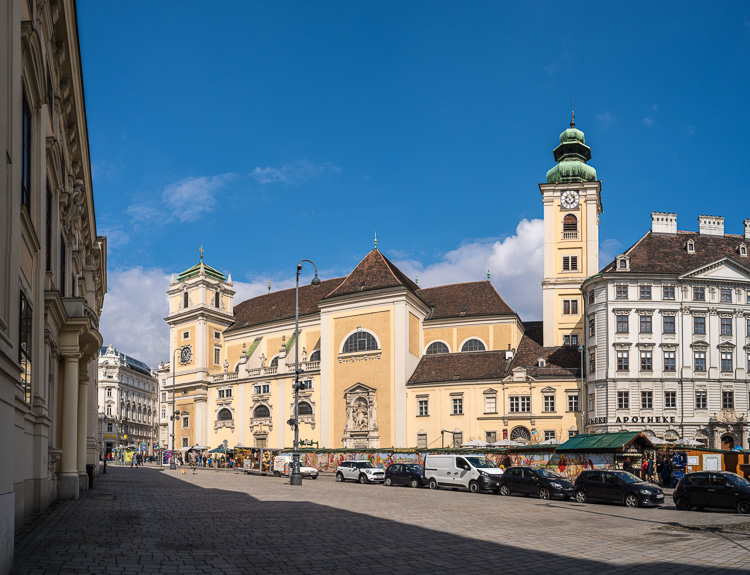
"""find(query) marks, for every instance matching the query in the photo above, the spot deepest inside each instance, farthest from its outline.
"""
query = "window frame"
(623, 360)
(469, 340)
(361, 340)
(644, 292)
(645, 323)
(436, 343)
(669, 324)
(623, 400)
(457, 405)
(668, 292)
(647, 399)
(423, 407)
(670, 399)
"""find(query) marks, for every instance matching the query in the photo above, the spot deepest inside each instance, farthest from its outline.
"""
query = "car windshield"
(363, 464)
(413, 467)
(549, 474)
(628, 477)
(480, 462)
(738, 480)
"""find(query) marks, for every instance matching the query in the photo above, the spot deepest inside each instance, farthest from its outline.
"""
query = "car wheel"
(743, 507)
(433, 484)
(581, 496)
(314, 476)
(544, 493)
(414, 483)
(362, 479)
(339, 477)
(388, 482)
(277, 473)
(683, 504)
(504, 490)
(632, 500)
(473, 486)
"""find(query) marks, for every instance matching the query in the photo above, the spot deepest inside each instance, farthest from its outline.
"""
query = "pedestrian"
(659, 468)
(628, 466)
(666, 473)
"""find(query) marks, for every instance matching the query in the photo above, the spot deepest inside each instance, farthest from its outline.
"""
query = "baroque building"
(52, 270)
(668, 335)
(127, 399)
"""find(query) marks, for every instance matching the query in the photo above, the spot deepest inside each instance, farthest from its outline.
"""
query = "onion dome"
(571, 157)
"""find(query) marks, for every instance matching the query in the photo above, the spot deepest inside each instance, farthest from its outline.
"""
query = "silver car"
(359, 470)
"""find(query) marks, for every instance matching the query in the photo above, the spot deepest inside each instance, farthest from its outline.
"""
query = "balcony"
(570, 235)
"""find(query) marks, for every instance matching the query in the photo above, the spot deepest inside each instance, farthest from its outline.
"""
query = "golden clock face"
(569, 199)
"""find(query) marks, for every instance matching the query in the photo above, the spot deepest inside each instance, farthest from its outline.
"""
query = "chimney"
(664, 223)
(710, 225)
(509, 353)
(747, 230)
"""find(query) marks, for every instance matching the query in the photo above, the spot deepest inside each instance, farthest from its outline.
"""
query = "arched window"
(315, 356)
(274, 362)
(360, 341)
(226, 415)
(437, 347)
(570, 223)
(261, 411)
(216, 299)
(305, 408)
(520, 434)
(185, 299)
(473, 345)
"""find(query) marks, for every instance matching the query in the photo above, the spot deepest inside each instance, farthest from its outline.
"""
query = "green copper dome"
(571, 157)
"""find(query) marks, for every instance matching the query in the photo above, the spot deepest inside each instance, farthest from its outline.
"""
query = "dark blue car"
(405, 474)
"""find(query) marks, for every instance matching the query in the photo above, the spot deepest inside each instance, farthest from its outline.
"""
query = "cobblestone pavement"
(159, 521)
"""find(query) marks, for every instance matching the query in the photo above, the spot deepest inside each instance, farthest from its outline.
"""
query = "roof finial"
(269, 286)
(572, 114)
(376, 240)
(416, 280)
(488, 274)
(201, 251)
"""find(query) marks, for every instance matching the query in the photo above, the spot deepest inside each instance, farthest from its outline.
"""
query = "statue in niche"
(360, 414)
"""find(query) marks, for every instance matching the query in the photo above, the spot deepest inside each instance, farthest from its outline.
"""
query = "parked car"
(405, 474)
(473, 472)
(720, 489)
(616, 486)
(543, 482)
(359, 470)
(282, 465)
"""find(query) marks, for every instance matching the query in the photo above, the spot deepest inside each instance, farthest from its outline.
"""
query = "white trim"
(460, 347)
(441, 341)
(351, 333)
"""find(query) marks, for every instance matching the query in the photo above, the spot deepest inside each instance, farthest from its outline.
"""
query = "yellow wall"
(414, 335)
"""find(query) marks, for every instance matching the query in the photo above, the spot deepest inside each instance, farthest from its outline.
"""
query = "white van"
(473, 472)
(282, 465)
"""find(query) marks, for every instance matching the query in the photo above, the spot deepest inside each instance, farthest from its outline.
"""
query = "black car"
(545, 483)
(720, 489)
(616, 486)
(405, 474)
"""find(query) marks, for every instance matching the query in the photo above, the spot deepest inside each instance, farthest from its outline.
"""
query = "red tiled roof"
(464, 300)
(561, 361)
(374, 272)
(667, 253)
(466, 366)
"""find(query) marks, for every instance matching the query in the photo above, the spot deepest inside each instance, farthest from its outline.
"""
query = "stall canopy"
(605, 442)
(221, 449)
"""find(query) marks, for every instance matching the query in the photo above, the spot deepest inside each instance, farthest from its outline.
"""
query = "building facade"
(52, 270)
(127, 394)
(668, 336)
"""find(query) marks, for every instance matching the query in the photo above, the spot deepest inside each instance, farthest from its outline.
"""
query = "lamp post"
(296, 477)
(172, 464)
(584, 395)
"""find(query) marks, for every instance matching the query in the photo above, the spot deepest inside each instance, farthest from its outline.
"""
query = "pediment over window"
(723, 269)
(490, 391)
(548, 390)
(359, 388)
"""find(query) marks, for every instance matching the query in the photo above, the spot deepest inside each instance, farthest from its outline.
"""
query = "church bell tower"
(572, 204)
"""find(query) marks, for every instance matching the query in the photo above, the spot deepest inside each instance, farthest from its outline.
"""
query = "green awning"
(221, 449)
(605, 442)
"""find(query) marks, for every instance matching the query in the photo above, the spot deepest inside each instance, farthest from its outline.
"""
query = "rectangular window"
(185, 442)
(592, 297)
(622, 324)
(592, 327)
(570, 263)
(185, 421)
(668, 292)
(668, 323)
(572, 433)
(700, 360)
(217, 335)
(570, 307)
(623, 400)
(670, 400)
(623, 359)
(645, 323)
(646, 360)
(573, 402)
(164, 396)
(570, 339)
(701, 400)
(726, 362)
(422, 406)
(621, 292)
(217, 355)
(670, 363)
(645, 292)
(520, 403)
(458, 406)
(647, 400)
(699, 294)
(421, 441)
(549, 403)
(262, 388)
(221, 394)
(48, 231)
(109, 425)
(726, 295)
(109, 392)
(26, 154)
(62, 279)
(306, 384)
(699, 325)
(549, 435)
(490, 436)
(726, 326)
(185, 334)
(490, 404)
(592, 362)
(727, 399)
(591, 402)
(24, 347)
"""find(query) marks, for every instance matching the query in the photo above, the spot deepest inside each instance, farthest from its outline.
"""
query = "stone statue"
(360, 415)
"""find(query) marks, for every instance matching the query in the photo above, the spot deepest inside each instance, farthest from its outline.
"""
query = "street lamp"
(584, 395)
(185, 355)
(296, 477)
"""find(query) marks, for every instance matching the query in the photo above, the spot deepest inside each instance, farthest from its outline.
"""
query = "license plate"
(660, 496)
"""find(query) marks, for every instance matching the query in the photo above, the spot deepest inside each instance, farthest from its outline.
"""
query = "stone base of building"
(7, 528)
(68, 487)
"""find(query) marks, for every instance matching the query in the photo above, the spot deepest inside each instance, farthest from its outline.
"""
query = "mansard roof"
(374, 272)
(464, 300)
(464, 366)
(667, 253)
(560, 361)
(196, 270)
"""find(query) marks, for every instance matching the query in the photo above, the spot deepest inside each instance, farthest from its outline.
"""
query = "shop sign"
(642, 419)
(597, 421)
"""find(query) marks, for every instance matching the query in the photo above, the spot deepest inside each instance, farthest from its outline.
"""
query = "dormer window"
(742, 249)
(623, 263)
(690, 247)
(540, 362)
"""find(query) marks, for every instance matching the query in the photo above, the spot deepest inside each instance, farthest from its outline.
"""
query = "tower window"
(570, 227)
(570, 263)
(185, 299)
(216, 299)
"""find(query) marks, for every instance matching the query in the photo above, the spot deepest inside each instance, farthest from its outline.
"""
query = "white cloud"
(608, 250)
(190, 198)
(294, 173)
(606, 118)
(689, 130)
(648, 122)
(516, 264)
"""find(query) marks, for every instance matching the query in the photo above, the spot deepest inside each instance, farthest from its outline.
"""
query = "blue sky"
(271, 132)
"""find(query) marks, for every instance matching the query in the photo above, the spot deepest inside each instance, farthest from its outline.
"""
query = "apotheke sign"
(634, 419)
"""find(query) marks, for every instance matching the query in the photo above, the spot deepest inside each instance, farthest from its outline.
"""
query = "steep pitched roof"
(464, 300)
(560, 361)
(196, 269)
(667, 253)
(465, 366)
(279, 305)
(374, 272)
